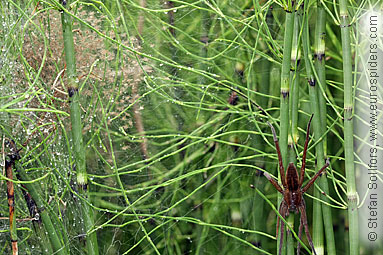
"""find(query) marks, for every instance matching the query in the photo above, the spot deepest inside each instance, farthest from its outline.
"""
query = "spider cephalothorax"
(293, 191)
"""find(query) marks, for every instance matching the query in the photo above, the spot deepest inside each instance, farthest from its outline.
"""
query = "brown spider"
(292, 190)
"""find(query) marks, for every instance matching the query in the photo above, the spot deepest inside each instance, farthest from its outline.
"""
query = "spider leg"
(305, 152)
(311, 182)
(274, 182)
(281, 207)
(299, 236)
(302, 209)
(281, 168)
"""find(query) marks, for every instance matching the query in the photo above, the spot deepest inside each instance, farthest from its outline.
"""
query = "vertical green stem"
(77, 139)
(320, 156)
(264, 82)
(265, 68)
(51, 228)
(319, 61)
(295, 60)
(285, 86)
(290, 239)
(348, 130)
(45, 245)
(293, 132)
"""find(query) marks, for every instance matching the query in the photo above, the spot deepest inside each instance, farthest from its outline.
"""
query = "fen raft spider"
(292, 190)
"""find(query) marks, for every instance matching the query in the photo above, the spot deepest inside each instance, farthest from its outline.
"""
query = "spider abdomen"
(293, 200)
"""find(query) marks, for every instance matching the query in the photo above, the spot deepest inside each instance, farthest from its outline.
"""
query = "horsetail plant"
(352, 197)
(318, 209)
(293, 106)
(285, 83)
(77, 139)
(45, 244)
(196, 72)
(54, 235)
(43, 209)
(320, 69)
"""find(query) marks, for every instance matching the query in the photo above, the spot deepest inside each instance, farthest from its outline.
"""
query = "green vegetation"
(141, 124)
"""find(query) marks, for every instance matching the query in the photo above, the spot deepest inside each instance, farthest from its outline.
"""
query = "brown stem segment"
(11, 205)
(171, 18)
(141, 21)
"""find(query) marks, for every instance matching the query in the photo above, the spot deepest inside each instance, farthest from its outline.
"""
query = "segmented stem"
(320, 156)
(319, 61)
(51, 228)
(285, 86)
(317, 236)
(77, 139)
(348, 130)
(293, 132)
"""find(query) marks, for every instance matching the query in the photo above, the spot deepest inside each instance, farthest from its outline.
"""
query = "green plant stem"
(320, 157)
(290, 238)
(45, 244)
(319, 61)
(352, 197)
(293, 131)
(264, 85)
(77, 139)
(295, 60)
(285, 88)
(54, 236)
(317, 236)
